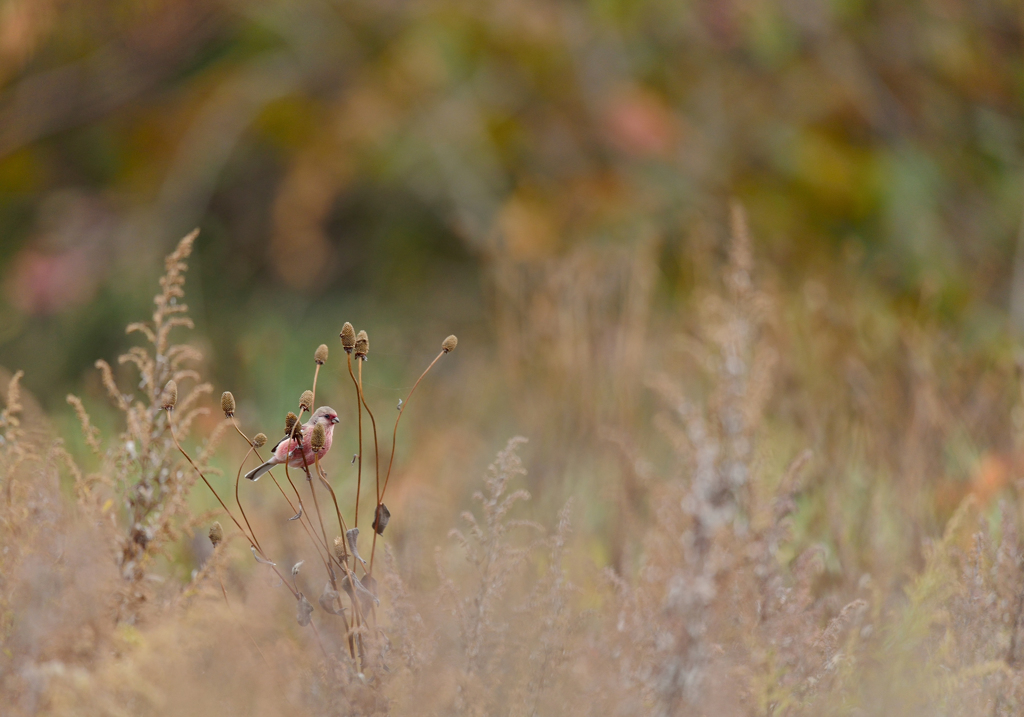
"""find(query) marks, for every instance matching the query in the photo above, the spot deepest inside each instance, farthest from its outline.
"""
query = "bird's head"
(326, 414)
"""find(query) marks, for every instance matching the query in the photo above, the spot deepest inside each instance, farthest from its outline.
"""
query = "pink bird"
(288, 448)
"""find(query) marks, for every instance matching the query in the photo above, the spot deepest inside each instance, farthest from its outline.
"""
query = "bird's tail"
(255, 473)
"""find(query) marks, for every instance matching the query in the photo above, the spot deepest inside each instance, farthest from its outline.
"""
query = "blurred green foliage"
(350, 159)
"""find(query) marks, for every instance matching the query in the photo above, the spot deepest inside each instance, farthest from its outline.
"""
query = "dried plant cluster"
(773, 562)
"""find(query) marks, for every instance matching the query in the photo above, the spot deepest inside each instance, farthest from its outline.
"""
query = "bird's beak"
(335, 419)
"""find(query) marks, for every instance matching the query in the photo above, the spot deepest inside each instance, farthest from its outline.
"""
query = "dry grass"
(815, 513)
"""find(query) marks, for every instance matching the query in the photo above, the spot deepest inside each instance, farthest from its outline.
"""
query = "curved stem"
(170, 426)
(359, 413)
(239, 502)
(304, 518)
(394, 435)
(394, 442)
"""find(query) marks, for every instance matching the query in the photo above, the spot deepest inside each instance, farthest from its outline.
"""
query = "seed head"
(362, 344)
(339, 549)
(227, 404)
(449, 344)
(319, 437)
(348, 337)
(169, 396)
(306, 401)
(289, 422)
(321, 354)
(216, 534)
(259, 440)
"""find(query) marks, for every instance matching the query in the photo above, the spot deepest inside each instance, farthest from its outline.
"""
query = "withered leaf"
(330, 600)
(305, 611)
(366, 598)
(352, 534)
(259, 558)
(381, 520)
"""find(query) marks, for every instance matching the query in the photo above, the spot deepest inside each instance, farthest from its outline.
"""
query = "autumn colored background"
(552, 182)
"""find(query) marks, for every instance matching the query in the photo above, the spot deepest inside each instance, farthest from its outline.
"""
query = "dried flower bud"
(449, 344)
(306, 401)
(362, 344)
(227, 404)
(259, 440)
(321, 354)
(216, 534)
(339, 549)
(348, 337)
(169, 396)
(319, 437)
(289, 423)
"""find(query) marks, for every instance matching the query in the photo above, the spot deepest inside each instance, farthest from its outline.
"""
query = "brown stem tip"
(348, 337)
(306, 401)
(259, 440)
(289, 423)
(227, 404)
(449, 344)
(321, 354)
(216, 534)
(362, 344)
(319, 437)
(169, 396)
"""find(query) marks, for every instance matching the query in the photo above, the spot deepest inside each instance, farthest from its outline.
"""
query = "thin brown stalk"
(394, 442)
(316, 373)
(373, 423)
(252, 541)
(359, 414)
(320, 474)
(238, 501)
(304, 517)
(394, 435)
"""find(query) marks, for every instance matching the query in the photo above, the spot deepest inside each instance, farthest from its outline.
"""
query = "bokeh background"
(548, 180)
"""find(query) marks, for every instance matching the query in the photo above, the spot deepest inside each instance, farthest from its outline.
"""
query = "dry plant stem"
(252, 542)
(170, 426)
(304, 519)
(316, 504)
(373, 423)
(359, 414)
(394, 435)
(391, 460)
(239, 502)
(321, 475)
(316, 373)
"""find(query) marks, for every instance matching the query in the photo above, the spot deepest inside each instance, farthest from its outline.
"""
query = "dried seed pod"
(348, 337)
(449, 344)
(295, 568)
(227, 404)
(304, 611)
(362, 344)
(321, 354)
(319, 437)
(289, 423)
(216, 534)
(169, 396)
(259, 440)
(381, 520)
(306, 401)
(339, 549)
